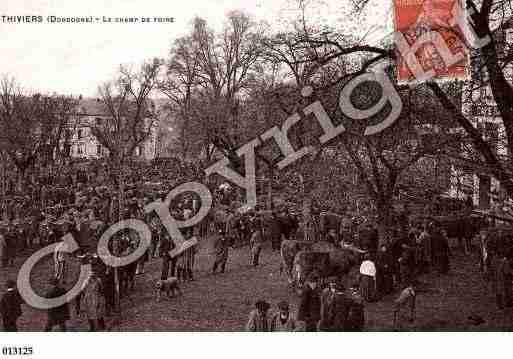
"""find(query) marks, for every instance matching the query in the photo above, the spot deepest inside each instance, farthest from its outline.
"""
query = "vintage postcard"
(251, 166)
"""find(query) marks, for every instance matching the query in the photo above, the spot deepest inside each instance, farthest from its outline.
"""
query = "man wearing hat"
(335, 306)
(221, 249)
(10, 307)
(282, 321)
(166, 245)
(59, 260)
(255, 244)
(258, 319)
(310, 304)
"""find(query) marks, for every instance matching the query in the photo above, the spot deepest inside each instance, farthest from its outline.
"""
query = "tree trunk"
(385, 223)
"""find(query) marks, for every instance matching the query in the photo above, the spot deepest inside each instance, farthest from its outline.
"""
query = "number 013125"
(15, 351)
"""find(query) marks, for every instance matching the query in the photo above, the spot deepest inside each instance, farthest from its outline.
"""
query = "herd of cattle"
(300, 257)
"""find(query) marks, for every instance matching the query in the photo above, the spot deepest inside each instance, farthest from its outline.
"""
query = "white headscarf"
(368, 268)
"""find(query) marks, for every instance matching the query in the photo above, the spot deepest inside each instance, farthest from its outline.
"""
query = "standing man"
(59, 315)
(59, 260)
(256, 246)
(368, 279)
(335, 306)
(384, 272)
(258, 319)
(502, 283)
(187, 213)
(310, 304)
(275, 231)
(282, 321)
(190, 252)
(165, 247)
(93, 302)
(10, 307)
(3, 251)
(221, 250)
(424, 241)
(231, 228)
(10, 245)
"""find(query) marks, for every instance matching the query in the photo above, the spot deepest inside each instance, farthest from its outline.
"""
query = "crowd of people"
(383, 270)
(330, 309)
(496, 262)
(91, 204)
(422, 250)
(52, 204)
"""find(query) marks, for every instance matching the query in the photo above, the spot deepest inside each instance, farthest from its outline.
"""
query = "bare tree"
(490, 18)
(32, 125)
(130, 120)
(226, 62)
(179, 85)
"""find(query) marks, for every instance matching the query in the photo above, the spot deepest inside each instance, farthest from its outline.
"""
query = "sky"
(76, 58)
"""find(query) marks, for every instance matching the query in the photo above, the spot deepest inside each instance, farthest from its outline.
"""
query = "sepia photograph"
(255, 166)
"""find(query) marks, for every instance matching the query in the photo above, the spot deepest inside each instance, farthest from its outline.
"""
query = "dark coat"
(356, 316)
(441, 252)
(334, 311)
(368, 238)
(10, 244)
(10, 306)
(309, 306)
(384, 272)
(58, 314)
(166, 245)
(274, 230)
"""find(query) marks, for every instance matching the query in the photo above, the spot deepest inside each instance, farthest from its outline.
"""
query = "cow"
(300, 258)
(289, 248)
(307, 261)
(341, 260)
(464, 228)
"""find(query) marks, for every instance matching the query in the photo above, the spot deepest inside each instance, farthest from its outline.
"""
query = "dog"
(407, 300)
(168, 286)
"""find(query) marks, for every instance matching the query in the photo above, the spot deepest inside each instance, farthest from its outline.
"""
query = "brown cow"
(289, 249)
(306, 261)
(327, 259)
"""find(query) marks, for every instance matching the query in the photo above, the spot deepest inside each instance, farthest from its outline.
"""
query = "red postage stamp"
(430, 44)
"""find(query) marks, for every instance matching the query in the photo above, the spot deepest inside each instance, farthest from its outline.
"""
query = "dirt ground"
(222, 302)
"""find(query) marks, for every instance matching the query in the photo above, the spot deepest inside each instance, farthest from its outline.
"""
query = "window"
(99, 149)
(80, 150)
(98, 121)
(138, 151)
(80, 134)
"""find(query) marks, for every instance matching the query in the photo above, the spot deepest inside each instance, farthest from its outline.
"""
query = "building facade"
(80, 143)
(479, 107)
